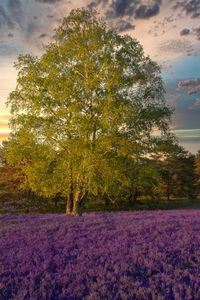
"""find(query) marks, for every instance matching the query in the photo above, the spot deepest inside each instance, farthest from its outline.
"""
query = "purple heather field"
(125, 255)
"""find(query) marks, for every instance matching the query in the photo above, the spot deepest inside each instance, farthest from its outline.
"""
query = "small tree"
(89, 101)
(177, 168)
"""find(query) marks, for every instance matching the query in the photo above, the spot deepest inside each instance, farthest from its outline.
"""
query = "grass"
(144, 204)
(12, 202)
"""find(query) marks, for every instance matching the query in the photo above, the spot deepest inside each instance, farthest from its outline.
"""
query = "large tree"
(91, 100)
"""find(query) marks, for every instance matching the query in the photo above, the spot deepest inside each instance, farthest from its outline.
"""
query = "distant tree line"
(172, 173)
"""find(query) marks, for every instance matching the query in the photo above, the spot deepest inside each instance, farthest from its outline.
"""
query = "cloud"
(5, 117)
(193, 8)
(187, 133)
(96, 3)
(27, 22)
(169, 19)
(190, 7)
(11, 14)
(7, 49)
(48, 1)
(127, 8)
(3, 125)
(5, 19)
(175, 46)
(43, 35)
(3, 136)
(173, 98)
(121, 14)
(144, 11)
(196, 32)
(196, 105)
(119, 9)
(122, 26)
(15, 11)
(192, 86)
(186, 118)
(31, 28)
(185, 31)
(189, 139)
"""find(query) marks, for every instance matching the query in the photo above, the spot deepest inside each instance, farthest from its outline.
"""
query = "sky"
(168, 30)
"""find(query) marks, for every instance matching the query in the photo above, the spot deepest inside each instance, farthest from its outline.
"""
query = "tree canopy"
(89, 103)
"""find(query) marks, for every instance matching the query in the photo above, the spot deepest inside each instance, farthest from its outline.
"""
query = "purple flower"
(127, 255)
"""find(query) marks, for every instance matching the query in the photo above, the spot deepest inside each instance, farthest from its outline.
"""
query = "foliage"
(3, 147)
(197, 169)
(151, 255)
(145, 179)
(10, 176)
(91, 100)
(177, 170)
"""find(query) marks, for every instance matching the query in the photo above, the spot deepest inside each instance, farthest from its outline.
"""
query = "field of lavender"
(125, 255)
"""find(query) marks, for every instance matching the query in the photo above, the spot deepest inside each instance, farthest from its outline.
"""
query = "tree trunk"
(107, 200)
(78, 208)
(168, 195)
(70, 204)
(169, 188)
(70, 201)
(30, 194)
(134, 195)
(79, 203)
(168, 192)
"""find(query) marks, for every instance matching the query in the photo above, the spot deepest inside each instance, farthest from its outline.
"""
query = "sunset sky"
(168, 30)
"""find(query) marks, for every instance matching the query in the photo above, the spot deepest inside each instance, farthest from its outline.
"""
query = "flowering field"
(136, 255)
